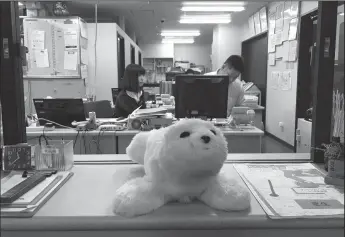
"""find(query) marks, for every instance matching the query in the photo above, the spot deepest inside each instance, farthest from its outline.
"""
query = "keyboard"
(22, 188)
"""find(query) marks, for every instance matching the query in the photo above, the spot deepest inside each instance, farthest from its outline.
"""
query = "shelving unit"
(156, 69)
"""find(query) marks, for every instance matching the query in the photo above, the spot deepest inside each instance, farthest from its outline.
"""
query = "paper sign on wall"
(271, 43)
(70, 60)
(275, 80)
(279, 25)
(292, 50)
(279, 12)
(293, 29)
(71, 39)
(271, 59)
(271, 24)
(285, 81)
(285, 51)
(279, 38)
(263, 19)
(287, 11)
(41, 58)
(257, 23)
(286, 29)
(294, 9)
(37, 39)
(251, 26)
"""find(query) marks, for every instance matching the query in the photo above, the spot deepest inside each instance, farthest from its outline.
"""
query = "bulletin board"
(282, 51)
(54, 49)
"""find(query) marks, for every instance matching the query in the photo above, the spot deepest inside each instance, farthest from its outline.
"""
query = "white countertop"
(71, 132)
(84, 203)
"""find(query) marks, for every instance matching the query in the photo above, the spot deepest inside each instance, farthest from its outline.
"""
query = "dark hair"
(189, 71)
(236, 62)
(131, 77)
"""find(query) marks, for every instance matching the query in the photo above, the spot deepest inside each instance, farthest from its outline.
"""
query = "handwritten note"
(285, 81)
(71, 39)
(271, 24)
(293, 29)
(271, 43)
(41, 58)
(70, 60)
(37, 39)
(263, 19)
(292, 50)
(271, 59)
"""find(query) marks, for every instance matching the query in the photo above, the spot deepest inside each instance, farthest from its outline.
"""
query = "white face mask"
(142, 80)
(232, 73)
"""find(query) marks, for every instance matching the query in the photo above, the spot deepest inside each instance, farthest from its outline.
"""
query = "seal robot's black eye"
(184, 134)
(214, 132)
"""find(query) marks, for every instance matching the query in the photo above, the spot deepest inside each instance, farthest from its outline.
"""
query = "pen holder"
(55, 155)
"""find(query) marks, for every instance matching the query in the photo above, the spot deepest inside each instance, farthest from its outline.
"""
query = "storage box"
(55, 155)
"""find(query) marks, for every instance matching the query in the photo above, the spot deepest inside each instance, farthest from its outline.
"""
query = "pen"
(273, 194)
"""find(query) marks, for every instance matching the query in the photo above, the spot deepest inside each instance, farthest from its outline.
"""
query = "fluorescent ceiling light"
(20, 4)
(205, 19)
(214, 3)
(177, 41)
(341, 14)
(212, 9)
(180, 33)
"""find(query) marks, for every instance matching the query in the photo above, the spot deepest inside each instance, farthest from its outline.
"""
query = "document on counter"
(291, 191)
(37, 39)
(41, 58)
(70, 60)
(29, 203)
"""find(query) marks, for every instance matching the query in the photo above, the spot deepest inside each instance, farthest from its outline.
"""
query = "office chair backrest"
(102, 108)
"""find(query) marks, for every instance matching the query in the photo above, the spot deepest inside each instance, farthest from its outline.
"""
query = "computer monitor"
(201, 96)
(61, 111)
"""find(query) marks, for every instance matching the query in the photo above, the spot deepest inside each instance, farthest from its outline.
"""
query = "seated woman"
(131, 95)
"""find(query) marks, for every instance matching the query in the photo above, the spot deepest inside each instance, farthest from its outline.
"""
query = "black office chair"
(102, 108)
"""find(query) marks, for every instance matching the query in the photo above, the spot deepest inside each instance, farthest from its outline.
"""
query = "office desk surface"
(70, 132)
(84, 204)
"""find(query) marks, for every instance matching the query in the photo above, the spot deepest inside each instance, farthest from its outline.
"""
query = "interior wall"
(281, 105)
(158, 50)
(194, 53)
(106, 48)
(227, 40)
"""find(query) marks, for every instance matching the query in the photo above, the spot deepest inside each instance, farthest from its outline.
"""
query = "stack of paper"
(292, 190)
(30, 202)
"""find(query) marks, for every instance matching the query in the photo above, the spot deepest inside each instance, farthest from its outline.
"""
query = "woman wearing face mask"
(233, 67)
(131, 95)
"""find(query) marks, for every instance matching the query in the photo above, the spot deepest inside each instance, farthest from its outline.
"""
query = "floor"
(271, 145)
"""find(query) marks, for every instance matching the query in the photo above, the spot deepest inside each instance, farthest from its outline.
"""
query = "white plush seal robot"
(182, 162)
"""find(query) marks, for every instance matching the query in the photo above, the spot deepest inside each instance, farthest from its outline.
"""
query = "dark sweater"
(125, 104)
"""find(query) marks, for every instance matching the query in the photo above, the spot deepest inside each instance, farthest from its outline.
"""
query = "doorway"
(132, 54)
(120, 59)
(254, 53)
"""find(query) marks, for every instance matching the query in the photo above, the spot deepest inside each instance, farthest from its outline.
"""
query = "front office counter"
(116, 142)
(82, 208)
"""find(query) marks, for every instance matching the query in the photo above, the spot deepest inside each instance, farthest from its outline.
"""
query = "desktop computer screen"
(62, 111)
(200, 96)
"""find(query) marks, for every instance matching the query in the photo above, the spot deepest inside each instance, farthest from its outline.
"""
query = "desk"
(111, 142)
(247, 141)
(82, 207)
